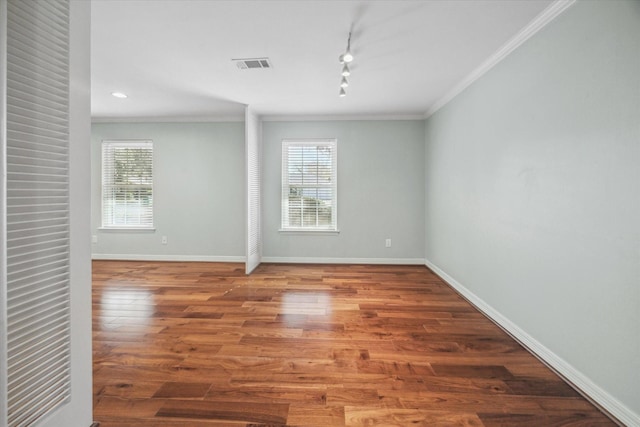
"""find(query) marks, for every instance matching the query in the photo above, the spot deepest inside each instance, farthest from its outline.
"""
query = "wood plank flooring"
(201, 344)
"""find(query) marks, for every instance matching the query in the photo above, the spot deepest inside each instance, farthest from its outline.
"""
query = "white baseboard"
(583, 384)
(181, 258)
(275, 260)
(322, 260)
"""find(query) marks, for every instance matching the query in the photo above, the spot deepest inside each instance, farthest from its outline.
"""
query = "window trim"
(119, 227)
(284, 178)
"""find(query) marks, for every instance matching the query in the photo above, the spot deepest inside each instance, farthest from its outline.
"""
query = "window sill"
(128, 229)
(308, 231)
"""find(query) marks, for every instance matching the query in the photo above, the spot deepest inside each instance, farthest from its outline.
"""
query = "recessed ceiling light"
(119, 94)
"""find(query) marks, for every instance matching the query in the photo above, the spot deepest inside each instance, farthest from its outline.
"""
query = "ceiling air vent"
(252, 63)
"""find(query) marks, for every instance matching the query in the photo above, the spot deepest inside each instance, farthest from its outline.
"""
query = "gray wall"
(380, 192)
(533, 193)
(198, 191)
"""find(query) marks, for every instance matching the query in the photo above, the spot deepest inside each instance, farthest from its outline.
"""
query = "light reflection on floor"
(125, 309)
(306, 303)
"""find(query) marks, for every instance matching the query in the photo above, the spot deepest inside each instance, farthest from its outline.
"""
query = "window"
(309, 191)
(127, 184)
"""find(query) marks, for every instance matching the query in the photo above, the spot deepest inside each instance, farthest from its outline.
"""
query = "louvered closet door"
(37, 210)
(252, 148)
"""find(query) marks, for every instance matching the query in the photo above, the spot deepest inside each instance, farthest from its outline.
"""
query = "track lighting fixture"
(345, 59)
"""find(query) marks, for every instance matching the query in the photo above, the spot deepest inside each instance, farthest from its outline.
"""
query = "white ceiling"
(173, 57)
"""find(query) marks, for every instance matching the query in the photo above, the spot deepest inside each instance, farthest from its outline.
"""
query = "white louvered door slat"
(37, 210)
(253, 193)
(254, 197)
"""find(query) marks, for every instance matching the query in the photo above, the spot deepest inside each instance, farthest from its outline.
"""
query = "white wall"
(80, 410)
(198, 192)
(380, 192)
(533, 197)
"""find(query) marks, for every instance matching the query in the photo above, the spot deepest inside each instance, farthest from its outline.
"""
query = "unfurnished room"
(319, 213)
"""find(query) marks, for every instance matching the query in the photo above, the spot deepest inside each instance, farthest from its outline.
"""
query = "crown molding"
(339, 117)
(171, 119)
(265, 118)
(539, 22)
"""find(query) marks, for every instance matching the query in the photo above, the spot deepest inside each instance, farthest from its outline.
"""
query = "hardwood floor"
(201, 344)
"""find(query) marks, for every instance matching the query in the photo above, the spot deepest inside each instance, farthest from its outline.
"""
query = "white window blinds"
(309, 185)
(127, 184)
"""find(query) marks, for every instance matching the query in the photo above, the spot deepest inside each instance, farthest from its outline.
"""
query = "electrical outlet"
(164, 240)
(94, 239)
(387, 243)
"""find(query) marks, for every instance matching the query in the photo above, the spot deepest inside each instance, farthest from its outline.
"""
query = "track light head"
(346, 72)
(342, 93)
(347, 56)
